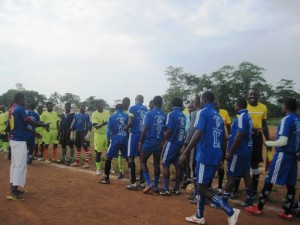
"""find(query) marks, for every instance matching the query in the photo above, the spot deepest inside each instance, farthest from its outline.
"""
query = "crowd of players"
(196, 141)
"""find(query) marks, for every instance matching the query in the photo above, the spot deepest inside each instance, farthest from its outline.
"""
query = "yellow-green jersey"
(225, 116)
(50, 117)
(3, 121)
(99, 118)
(258, 114)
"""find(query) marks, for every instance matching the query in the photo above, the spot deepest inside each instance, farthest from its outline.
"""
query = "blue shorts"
(283, 169)
(170, 154)
(133, 144)
(238, 166)
(150, 147)
(31, 142)
(205, 173)
(114, 148)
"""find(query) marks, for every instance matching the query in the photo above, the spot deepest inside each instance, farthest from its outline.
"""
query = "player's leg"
(98, 151)
(63, 143)
(132, 152)
(156, 164)
(86, 146)
(112, 152)
(72, 152)
(145, 156)
(167, 159)
(78, 144)
(120, 164)
(255, 160)
(46, 140)
(221, 173)
(54, 140)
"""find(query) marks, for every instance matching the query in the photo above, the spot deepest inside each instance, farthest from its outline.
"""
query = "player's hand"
(181, 159)
(87, 136)
(38, 135)
(46, 126)
(72, 136)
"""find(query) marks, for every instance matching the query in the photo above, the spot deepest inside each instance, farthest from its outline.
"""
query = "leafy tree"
(71, 98)
(55, 98)
(91, 103)
(8, 98)
(284, 90)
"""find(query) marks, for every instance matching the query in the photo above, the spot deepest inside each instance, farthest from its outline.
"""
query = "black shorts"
(256, 156)
(79, 140)
(64, 139)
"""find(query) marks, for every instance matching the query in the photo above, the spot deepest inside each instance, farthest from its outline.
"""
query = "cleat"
(40, 159)
(232, 220)
(120, 176)
(193, 201)
(112, 171)
(219, 191)
(47, 161)
(14, 197)
(285, 216)
(132, 186)
(104, 180)
(61, 161)
(195, 219)
(75, 164)
(86, 165)
(142, 184)
(254, 210)
(147, 189)
(190, 197)
(175, 192)
(98, 172)
(165, 193)
(214, 206)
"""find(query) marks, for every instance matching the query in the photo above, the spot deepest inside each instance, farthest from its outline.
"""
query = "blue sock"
(219, 202)
(200, 206)
(147, 178)
(156, 179)
(249, 198)
(177, 182)
(166, 184)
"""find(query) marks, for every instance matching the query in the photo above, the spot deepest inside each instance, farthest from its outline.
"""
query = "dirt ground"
(62, 195)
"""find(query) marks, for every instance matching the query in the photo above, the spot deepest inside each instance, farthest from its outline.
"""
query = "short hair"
(48, 103)
(241, 103)
(157, 101)
(177, 102)
(197, 99)
(118, 107)
(140, 98)
(291, 104)
(19, 96)
(254, 89)
(67, 103)
(208, 96)
(32, 105)
(126, 100)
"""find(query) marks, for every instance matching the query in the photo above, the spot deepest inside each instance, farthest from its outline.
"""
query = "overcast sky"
(116, 48)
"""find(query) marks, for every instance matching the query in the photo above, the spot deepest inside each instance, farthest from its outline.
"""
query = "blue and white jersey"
(243, 124)
(155, 121)
(176, 122)
(138, 112)
(289, 127)
(209, 121)
(34, 116)
(116, 124)
(81, 122)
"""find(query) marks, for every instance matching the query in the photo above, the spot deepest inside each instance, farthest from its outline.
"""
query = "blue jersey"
(138, 112)
(243, 124)
(81, 122)
(289, 127)
(17, 122)
(34, 116)
(66, 121)
(176, 122)
(211, 124)
(116, 124)
(155, 121)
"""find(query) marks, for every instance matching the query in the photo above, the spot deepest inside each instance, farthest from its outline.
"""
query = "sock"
(221, 177)
(131, 167)
(166, 183)
(255, 180)
(54, 154)
(156, 179)
(222, 204)
(71, 153)
(46, 154)
(107, 167)
(98, 165)
(78, 153)
(87, 156)
(290, 199)
(200, 206)
(147, 178)
(142, 179)
(226, 196)
(236, 185)
(120, 163)
(177, 182)
(249, 199)
(264, 196)
(64, 154)
(195, 186)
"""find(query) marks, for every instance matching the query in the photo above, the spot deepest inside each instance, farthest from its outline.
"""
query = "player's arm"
(265, 130)
(167, 135)
(228, 127)
(235, 144)
(37, 124)
(142, 138)
(130, 123)
(281, 142)
(34, 133)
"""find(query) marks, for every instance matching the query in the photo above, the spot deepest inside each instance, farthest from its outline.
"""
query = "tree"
(8, 98)
(91, 103)
(55, 98)
(71, 98)
(19, 87)
(284, 90)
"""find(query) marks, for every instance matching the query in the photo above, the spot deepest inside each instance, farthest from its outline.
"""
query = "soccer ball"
(189, 189)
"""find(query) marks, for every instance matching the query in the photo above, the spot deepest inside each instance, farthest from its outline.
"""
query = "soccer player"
(115, 128)
(150, 142)
(4, 129)
(225, 116)
(135, 124)
(31, 131)
(283, 168)
(39, 140)
(209, 138)
(172, 142)
(50, 137)
(99, 121)
(82, 126)
(239, 151)
(18, 120)
(64, 134)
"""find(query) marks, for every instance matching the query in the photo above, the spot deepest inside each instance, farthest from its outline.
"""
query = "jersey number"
(217, 142)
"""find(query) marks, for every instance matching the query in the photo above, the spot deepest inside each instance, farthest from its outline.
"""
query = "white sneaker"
(195, 219)
(131, 186)
(234, 218)
(98, 172)
(112, 171)
(86, 165)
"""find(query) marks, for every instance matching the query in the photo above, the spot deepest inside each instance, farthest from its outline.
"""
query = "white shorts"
(18, 166)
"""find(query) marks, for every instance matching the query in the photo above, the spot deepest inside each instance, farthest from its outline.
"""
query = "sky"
(112, 49)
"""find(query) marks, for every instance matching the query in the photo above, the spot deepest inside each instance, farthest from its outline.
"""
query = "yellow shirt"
(258, 114)
(225, 116)
(50, 117)
(99, 118)
(3, 121)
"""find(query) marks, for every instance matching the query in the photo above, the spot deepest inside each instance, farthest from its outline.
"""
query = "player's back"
(116, 124)
(138, 112)
(176, 121)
